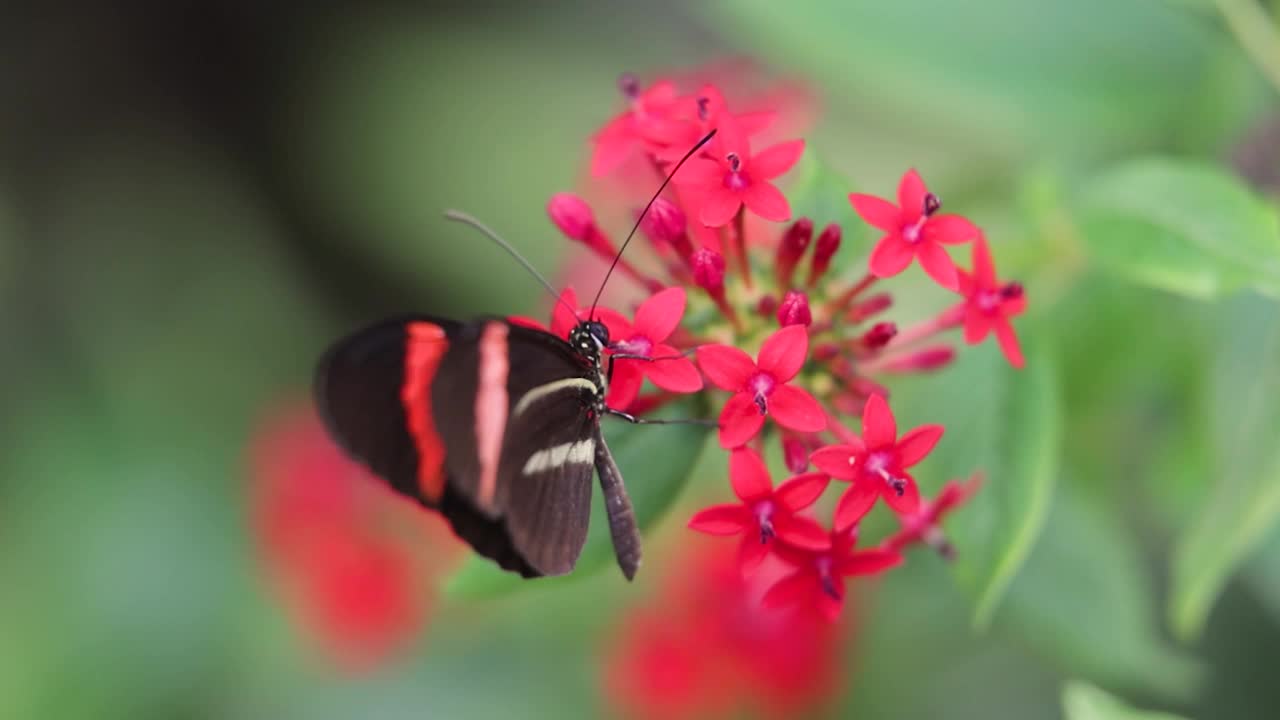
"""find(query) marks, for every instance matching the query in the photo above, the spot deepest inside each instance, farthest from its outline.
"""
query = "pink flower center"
(761, 385)
(636, 345)
(988, 301)
(764, 518)
(879, 462)
(735, 179)
(911, 233)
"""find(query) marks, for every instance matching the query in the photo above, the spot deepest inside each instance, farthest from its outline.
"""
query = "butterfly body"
(493, 424)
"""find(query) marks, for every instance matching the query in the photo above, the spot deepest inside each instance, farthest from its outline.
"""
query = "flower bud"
(666, 223)
(791, 248)
(573, 216)
(823, 250)
(708, 271)
(878, 336)
(795, 454)
(794, 309)
(872, 306)
(926, 360)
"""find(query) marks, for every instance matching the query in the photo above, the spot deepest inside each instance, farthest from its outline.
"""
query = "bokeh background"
(195, 197)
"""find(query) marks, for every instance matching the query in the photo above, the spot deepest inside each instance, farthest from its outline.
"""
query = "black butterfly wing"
(491, 423)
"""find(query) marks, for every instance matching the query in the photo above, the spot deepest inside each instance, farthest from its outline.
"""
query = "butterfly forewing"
(494, 424)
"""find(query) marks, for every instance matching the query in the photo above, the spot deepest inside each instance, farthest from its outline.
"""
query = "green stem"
(1256, 34)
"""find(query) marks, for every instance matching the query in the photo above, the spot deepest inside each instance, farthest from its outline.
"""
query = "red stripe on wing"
(424, 349)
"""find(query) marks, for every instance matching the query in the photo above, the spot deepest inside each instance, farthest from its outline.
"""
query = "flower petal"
(916, 444)
(838, 460)
(879, 429)
(876, 212)
(766, 200)
(976, 325)
(855, 503)
(659, 316)
(756, 122)
(949, 230)
(869, 562)
(984, 270)
(891, 256)
(739, 421)
(1008, 340)
(563, 315)
(783, 353)
(938, 264)
(628, 377)
(721, 520)
(699, 173)
(911, 192)
(794, 589)
(748, 475)
(727, 367)
(612, 145)
(774, 161)
(718, 207)
(751, 553)
(796, 409)
(801, 491)
(673, 373)
(801, 532)
(908, 502)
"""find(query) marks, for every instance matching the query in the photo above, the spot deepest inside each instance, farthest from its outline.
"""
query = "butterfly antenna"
(465, 219)
(705, 139)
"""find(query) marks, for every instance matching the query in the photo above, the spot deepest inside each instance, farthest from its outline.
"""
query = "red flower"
(707, 648)
(913, 230)
(877, 463)
(354, 562)
(923, 525)
(656, 319)
(632, 129)
(818, 581)
(765, 512)
(720, 187)
(696, 116)
(989, 305)
(761, 388)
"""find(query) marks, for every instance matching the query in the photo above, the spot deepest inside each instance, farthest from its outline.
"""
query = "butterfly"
(493, 424)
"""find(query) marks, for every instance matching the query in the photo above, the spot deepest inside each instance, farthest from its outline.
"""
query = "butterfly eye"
(599, 331)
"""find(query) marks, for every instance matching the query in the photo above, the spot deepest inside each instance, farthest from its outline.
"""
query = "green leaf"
(1086, 599)
(1082, 701)
(821, 194)
(1006, 424)
(656, 460)
(1244, 496)
(1183, 227)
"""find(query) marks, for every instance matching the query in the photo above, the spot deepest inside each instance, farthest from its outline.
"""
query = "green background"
(195, 197)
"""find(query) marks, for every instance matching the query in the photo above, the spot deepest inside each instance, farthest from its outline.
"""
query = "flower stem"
(947, 319)
(1257, 36)
(740, 245)
(843, 299)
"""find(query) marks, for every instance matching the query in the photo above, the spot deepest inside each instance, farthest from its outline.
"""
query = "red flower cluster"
(805, 349)
(708, 647)
(345, 554)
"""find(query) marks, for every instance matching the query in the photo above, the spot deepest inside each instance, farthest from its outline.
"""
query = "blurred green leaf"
(1007, 425)
(1004, 75)
(655, 461)
(1244, 494)
(1086, 600)
(1082, 701)
(821, 194)
(1181, 226)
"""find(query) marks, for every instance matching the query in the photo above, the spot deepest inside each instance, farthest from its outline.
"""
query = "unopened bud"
(878, 336)
(665, 221)
(870, 307)
(794, 309)
(795, 454)
(795, 240)
(708, 271)
(767, 306)
(573, 216)
(825, 351)
(823, 250)
(926, 360)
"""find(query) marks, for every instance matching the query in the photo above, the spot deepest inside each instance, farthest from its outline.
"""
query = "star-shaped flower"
(989, 305)
(818, 581)
(877, 463)
(656, 319)
(734, 177)
(646, 113)
(761, 387)
(765, 513)
(913, 230)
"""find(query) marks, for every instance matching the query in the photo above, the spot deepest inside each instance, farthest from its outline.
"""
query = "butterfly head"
(589, 337)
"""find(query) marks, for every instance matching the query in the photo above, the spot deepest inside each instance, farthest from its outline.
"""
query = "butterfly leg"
(657, 421)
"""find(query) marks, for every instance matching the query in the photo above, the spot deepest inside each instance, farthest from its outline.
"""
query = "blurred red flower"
(353, 563)
(706, 647)
(989, 305)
